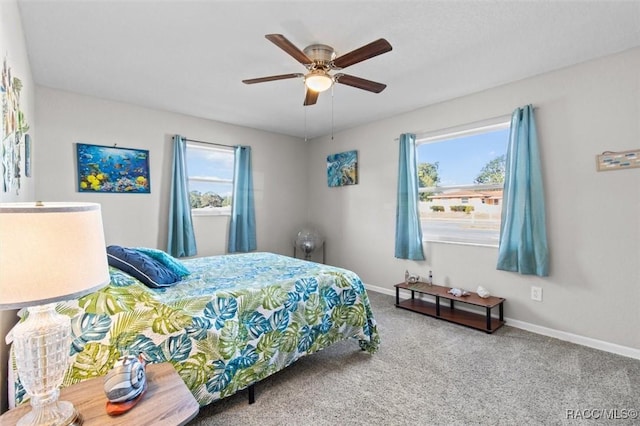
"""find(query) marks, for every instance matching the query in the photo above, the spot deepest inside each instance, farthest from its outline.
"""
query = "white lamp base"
(41, 345)
(55, 413)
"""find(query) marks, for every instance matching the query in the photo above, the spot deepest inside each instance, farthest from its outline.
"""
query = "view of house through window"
(461, 176)
(210, 171)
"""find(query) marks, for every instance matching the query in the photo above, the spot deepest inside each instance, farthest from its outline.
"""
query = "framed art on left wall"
(13, 127)
(112, 169)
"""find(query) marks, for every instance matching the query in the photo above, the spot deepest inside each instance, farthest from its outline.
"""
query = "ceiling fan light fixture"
(318, 81)
(320, 60)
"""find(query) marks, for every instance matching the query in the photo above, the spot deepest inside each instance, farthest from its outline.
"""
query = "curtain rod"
(426, 134)
(210, 143)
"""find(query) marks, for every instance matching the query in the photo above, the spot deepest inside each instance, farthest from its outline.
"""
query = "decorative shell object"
(458, 292)
(126, 380)
(411, 278)
(483, 292)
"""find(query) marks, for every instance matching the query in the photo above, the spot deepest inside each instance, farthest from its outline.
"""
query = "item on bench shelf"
(458, 293)
(411, 278)
(483, 292)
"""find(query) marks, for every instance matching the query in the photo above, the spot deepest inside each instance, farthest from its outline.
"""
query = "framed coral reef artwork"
(112, 169)
(342, 168)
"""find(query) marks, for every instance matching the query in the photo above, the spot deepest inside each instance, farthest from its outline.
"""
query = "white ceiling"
(190, 56)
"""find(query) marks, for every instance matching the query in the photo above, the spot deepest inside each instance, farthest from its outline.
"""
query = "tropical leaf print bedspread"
(233, 321)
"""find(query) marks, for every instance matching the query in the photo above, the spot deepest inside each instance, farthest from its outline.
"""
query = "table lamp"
(49, 252)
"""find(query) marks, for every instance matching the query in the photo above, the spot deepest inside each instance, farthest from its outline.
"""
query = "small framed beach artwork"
(342, 168)
(609, 160)
(112, 169)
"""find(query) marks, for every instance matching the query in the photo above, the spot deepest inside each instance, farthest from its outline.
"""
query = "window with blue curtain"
(408, 227)
(523, 234)
(181, 237)
(210, 168)
(242, 226)
(461, 169)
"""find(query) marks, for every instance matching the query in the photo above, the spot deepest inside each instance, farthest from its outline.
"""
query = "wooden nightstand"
(167, 401)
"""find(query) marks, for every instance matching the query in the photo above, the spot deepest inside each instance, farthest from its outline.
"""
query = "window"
(461, 176)
(210, 171)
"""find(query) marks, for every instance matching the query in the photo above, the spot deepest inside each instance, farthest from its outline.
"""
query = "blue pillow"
(149, 271)
(166, 259)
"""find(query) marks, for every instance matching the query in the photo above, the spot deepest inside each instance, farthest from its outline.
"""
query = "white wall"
(13, 48)
(141, 219)
(280, 178)
(593, 217)
(12, 45)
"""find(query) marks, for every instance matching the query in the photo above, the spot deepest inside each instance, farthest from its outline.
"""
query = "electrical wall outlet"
(536, 293)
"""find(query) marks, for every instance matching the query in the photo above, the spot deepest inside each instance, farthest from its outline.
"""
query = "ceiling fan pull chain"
(331, 112)
(305, 123)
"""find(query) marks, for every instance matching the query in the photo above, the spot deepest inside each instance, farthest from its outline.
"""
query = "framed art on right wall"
(609, 160)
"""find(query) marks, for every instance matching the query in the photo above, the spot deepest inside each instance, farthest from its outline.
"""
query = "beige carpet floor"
(430, 372)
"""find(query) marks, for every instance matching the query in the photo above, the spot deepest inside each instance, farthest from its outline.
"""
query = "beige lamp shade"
(50, 252)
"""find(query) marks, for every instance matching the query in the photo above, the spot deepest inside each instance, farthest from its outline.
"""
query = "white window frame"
(209, 147)
(471, 129)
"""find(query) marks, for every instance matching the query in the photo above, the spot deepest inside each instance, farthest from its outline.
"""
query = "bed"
(233, 321)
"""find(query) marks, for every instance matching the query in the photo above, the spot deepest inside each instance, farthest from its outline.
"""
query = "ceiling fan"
(320, 59)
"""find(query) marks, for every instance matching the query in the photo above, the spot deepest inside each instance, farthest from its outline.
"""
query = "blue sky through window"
(210, 163)
(461, 159)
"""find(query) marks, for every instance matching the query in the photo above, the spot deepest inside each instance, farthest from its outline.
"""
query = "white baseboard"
(545, 331)
(576, 338)
(382, 290)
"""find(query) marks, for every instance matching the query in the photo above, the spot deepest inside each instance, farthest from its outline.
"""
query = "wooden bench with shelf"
(486, 323)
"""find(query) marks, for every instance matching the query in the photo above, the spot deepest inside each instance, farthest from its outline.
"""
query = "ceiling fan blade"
(311, 97)
(283, 43)
(370, 50)
(272, 78)
(360, 83)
